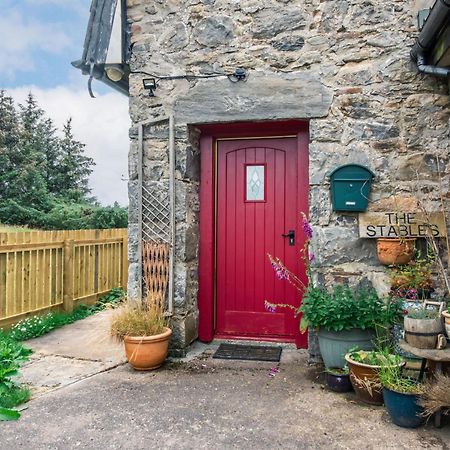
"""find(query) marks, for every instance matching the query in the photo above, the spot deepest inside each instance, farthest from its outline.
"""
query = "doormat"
(248, 352)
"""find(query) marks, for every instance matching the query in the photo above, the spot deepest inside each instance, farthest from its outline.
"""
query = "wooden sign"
(401, 224)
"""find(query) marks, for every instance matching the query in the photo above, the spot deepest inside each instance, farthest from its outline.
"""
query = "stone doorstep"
(202, 353)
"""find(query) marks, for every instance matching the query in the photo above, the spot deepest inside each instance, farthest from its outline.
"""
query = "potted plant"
(414, 277)
(401, 397)
(435, 396)
(345, 319)
(143, 325)
(364, 369)
(145, 335)
(422, 327)
(393, 251)
(338, 379)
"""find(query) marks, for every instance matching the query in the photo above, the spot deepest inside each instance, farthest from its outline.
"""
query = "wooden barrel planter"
(446, 316)
(422, 333)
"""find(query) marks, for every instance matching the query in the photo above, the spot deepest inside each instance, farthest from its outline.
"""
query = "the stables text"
(401, 224)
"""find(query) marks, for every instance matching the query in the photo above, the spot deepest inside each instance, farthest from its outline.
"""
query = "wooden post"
(125, 263)
(68, 275)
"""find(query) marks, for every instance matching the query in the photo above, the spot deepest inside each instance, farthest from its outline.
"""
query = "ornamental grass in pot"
(364, 369)
(143, 325)
(401, 397)
(436, 395)
(145, 334)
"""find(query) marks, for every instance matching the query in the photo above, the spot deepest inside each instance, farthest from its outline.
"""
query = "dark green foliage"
(38, 325)
(110, 217)
(12, 355)
(15, 396)
(44, 177)
(344, 309)
(76, 216)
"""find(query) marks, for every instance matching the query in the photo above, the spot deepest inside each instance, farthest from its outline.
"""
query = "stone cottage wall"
(342, 65)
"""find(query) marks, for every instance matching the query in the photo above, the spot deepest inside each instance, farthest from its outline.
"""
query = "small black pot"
(339, 382)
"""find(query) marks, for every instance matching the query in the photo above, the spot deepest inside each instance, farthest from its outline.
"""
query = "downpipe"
(437, 18)
(422, 67)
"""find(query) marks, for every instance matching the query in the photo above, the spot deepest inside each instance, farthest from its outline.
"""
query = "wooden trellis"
(157, 224)
(155, 259)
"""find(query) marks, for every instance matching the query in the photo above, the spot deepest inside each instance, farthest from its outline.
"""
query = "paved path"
(72, 353)
(198, 403)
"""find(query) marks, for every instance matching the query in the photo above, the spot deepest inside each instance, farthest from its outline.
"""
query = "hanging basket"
(393, 251)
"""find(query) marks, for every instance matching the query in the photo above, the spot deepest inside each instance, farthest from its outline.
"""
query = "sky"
(38, 41)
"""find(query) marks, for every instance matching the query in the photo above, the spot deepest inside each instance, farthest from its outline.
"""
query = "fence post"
(125, 262)
(68, 275)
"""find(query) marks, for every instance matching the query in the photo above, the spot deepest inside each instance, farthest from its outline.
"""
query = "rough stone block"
(262, 97)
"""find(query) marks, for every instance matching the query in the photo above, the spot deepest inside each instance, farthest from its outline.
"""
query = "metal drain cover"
(248, 352)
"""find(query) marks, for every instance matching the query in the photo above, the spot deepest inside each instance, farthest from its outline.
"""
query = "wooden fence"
(45, 270)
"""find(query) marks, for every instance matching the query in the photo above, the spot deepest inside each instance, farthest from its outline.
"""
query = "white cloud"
(81, 7)
(21, 40)
(101, 123)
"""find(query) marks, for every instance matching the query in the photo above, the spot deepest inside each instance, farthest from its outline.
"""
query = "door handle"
(291, 235)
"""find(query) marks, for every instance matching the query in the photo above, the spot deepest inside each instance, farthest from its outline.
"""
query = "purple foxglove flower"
(311, 257)
(307, 228)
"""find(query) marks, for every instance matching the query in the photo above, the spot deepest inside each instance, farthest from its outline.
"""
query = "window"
(255, 182)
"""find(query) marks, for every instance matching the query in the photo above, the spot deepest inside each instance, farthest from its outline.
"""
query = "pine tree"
(74, 168)
(52, 155)
(30, 186)
(9, 141)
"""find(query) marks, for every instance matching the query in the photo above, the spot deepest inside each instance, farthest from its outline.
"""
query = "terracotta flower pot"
(366, 381)
(147, 352)
(395, 251)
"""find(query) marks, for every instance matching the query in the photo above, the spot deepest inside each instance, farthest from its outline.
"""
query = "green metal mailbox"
(350, 187)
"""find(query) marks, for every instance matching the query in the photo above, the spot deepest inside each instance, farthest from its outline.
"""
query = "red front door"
(259, 196)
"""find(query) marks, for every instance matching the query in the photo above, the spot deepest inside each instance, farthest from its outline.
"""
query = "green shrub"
(344, 309)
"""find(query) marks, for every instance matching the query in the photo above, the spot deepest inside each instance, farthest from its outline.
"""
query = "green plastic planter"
(334, 345)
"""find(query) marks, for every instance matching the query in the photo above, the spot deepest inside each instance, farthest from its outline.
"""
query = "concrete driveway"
(200, 403)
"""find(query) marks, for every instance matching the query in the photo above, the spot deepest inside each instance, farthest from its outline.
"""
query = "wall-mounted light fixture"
(150, 86)
(239, 74)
